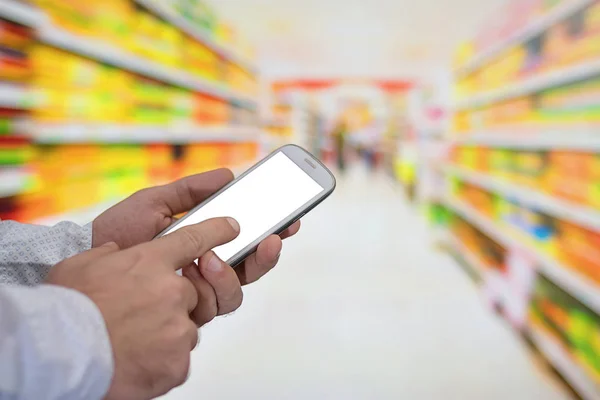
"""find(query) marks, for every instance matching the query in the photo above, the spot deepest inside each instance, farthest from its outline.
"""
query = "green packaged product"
(6, 126)
(13, 156)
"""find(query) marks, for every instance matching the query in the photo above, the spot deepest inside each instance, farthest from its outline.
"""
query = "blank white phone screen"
(258, 202)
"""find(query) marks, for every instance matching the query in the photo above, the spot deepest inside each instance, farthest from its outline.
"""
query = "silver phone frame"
(303, 159)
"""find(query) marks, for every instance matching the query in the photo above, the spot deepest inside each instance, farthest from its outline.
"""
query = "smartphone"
(265, 200)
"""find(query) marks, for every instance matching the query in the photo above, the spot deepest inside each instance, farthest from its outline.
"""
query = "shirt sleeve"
(53, 345)
(27, 252)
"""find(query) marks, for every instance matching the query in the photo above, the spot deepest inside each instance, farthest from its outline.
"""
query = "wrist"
(69, 351)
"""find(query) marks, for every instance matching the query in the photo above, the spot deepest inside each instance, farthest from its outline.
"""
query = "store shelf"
(577, 285)
(12, 181)
(15, 96)
(21, 13)
(562, 361)
(562, 209)
(543, 23)
(115, 134)
(483, 223)
(162, 11)
(474, 262)
(533, 85)
(106, 53)
(493, 283)
(568, 138)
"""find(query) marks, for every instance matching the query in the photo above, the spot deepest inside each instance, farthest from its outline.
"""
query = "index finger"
(182, 247)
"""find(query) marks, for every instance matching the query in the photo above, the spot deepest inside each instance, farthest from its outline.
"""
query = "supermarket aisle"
(363, 308)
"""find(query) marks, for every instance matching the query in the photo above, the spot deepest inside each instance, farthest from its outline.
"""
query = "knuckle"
(178, 369)
(193, 237)
(173, 289)
(181, 329)
(143, 194)
(221, 228)
(205, 313)
(231, 303)
(137, 257)
(212, 311)
(237, 300)
(193, 334)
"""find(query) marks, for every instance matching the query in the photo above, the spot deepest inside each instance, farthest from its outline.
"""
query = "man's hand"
(147, 306)
(148, 212)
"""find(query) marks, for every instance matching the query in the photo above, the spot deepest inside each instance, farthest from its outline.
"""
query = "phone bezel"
(303, 159)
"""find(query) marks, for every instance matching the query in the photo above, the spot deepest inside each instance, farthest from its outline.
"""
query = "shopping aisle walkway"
(363, 308)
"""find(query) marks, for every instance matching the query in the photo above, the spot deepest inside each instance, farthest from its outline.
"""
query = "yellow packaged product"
(465, 52)
(71, 15)
(592, 19)
(143, 30)
(114, 21)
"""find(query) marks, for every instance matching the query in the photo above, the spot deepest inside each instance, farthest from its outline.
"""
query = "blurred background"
(458, 257)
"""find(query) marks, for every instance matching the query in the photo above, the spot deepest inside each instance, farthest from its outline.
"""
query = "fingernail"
(234, 224)
(214, 264)
(109, 244)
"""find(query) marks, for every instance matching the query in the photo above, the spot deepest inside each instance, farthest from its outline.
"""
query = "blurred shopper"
(367, 142)
(339, 134)
(375, 133)
(116, 321)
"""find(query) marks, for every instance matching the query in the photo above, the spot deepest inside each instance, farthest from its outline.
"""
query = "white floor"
(362, 307)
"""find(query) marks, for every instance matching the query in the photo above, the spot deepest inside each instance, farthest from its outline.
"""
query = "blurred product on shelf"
(130, 26)
(16, 150)
(535, 71)
(573, 246)
(489, 253)
(15, 64)
(84, 107)
(281, 124)
(74, 89)
(515, 17)
(200, 18)
(568, 175)
(72, 177)
(576, 103)
(571, 40)
(575, 327)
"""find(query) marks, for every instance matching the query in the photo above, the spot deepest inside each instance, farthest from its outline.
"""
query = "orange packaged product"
(481, 159)
(594, 269)
(589, 258)
(14, 36)
(199, 109)
(33, 206)
(557, 314)
(209, 110)
(587, 163)
(578, 248)
(160, 163)
(573, 189)
(572, 175)
(576, 165)
(226, 154)
(201, 157)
